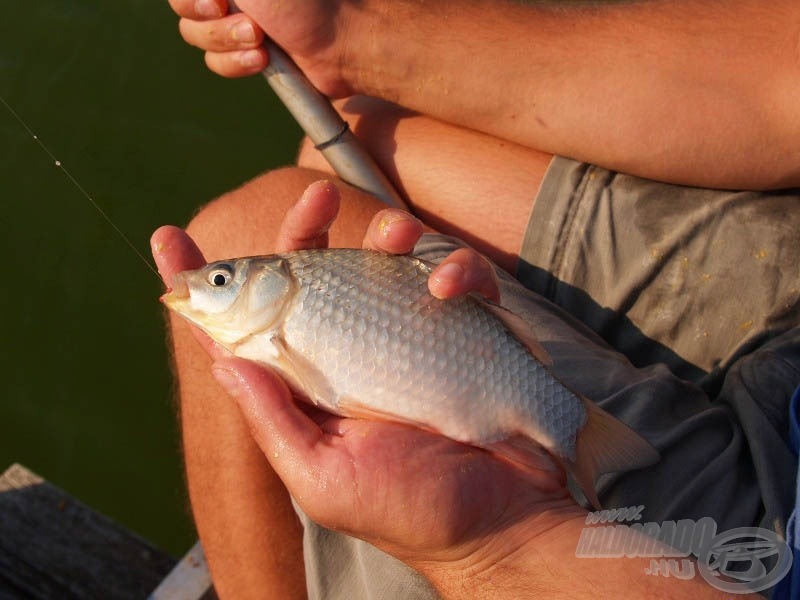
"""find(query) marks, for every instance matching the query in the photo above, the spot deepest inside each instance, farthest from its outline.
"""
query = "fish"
(357, 333)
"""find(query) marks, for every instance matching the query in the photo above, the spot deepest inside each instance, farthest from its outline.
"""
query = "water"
(134, 116)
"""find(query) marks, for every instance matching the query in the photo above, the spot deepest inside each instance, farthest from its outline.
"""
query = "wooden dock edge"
(54, 546)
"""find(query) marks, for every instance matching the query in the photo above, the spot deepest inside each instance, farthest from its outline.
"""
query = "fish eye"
(219, 277)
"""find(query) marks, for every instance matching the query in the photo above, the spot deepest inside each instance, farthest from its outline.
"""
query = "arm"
(693, 91)
(545, 565)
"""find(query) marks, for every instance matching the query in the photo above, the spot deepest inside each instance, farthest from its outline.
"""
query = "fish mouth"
(178, 292)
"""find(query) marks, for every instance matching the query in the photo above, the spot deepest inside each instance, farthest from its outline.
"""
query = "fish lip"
(178, 291)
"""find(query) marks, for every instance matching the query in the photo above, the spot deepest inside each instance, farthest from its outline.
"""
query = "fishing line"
(74, 181)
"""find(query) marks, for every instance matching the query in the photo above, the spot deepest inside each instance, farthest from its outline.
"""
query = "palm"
(396, 486)
(405, 489)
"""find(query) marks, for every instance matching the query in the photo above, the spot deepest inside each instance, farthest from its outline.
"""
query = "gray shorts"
(676, 310)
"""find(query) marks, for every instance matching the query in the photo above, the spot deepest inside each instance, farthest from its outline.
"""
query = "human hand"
(232, 42)
(310, 31)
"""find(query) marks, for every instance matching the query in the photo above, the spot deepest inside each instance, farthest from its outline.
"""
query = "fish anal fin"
(521, 330)
(524, 452)
(604, 445)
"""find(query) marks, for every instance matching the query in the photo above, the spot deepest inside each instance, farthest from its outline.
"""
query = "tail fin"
(606, 444)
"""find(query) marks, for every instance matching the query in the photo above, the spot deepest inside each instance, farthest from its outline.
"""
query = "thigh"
(458, 181)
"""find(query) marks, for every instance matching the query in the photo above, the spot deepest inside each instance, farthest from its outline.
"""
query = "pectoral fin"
(525, 452)
(302, 375)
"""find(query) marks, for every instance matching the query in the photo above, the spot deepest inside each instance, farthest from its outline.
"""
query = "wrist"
(512, 562)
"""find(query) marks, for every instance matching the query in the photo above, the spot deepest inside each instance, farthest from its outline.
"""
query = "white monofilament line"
(323, 125)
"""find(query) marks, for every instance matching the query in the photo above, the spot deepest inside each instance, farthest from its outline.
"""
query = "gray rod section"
(323, 125)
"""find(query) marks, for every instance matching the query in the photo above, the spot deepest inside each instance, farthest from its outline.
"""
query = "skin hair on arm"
(675, 91)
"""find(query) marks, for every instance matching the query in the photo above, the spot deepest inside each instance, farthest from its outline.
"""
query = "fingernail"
(390, 219)
(228, 380)
(315, 188)
(250, 59)
(207, 8)
(243, 32)
(449, 273)
(157, 248)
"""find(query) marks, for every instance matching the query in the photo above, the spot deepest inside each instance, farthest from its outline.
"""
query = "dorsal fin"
(521, 330)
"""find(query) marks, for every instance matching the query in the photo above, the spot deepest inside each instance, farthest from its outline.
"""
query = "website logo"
(738, 561)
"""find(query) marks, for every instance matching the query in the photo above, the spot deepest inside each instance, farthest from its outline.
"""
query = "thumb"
(285, 434)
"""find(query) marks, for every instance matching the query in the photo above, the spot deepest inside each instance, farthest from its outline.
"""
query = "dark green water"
(132, 113)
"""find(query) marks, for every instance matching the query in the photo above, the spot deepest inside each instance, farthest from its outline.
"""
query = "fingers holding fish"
(307, 222)
(463, 272)
(305, 454)
(281, 430)
(394, 231)
(174, 252)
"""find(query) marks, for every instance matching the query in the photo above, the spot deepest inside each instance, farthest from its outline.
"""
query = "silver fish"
(357, 333)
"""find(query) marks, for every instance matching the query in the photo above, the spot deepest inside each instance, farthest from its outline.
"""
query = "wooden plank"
(53, 546)
(189, 580)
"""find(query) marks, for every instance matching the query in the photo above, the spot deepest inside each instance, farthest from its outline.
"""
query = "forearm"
(692, 91)
(549, 568)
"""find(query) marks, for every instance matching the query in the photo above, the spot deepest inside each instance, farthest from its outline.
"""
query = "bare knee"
(245, 221)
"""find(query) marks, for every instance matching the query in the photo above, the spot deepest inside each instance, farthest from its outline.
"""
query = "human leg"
(243, 513)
